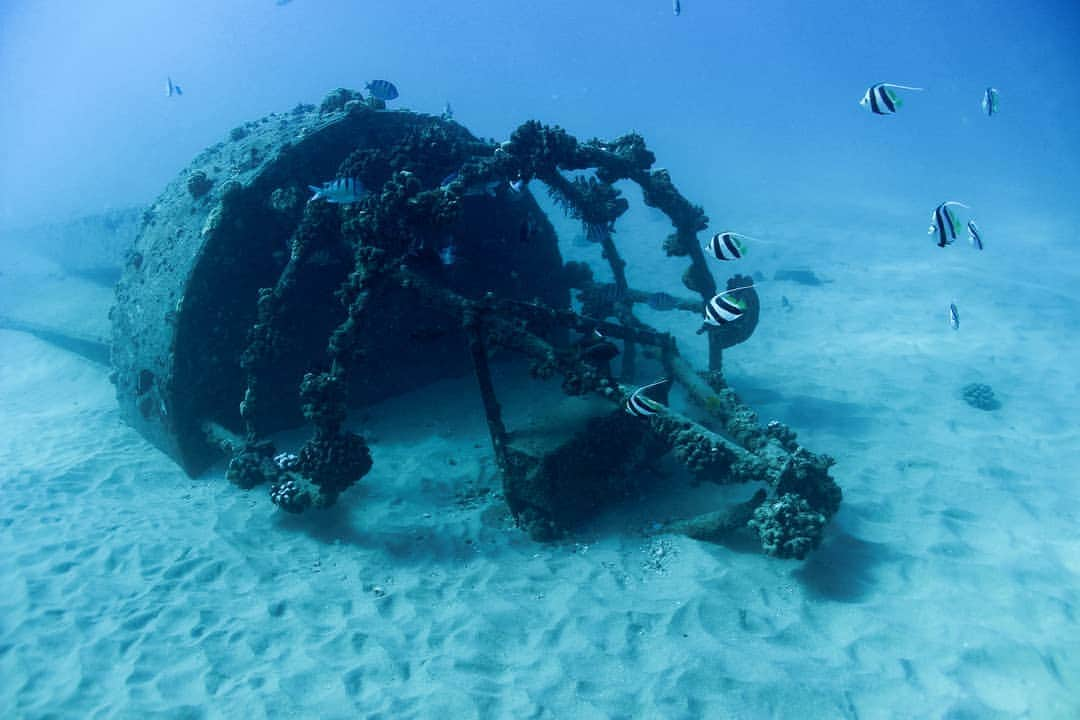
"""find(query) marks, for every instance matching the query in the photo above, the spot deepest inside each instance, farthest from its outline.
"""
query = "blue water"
(948, 585)
(754, 103)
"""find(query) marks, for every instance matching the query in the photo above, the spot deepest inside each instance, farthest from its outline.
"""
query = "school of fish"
(727, 246)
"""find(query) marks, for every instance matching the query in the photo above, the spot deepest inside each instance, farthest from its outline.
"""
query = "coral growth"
(981, 396)
(788, 527)
(322, 285)
(198, 184)
(333, 464)
(253, 466)
(337, 99)
(807, 475)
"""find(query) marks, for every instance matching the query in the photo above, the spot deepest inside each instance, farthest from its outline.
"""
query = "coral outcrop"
(981, 396)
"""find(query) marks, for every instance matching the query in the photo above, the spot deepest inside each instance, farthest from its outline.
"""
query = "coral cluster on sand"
(981, 396)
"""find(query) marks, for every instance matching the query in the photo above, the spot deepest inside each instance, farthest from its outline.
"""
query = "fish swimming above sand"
(342, 190)
(990, 102)
(723, 309)
(944, 223)
(641, 405)
(172, 88)
(382, 90)
(726, 246)
(881, 100)
(974, 236)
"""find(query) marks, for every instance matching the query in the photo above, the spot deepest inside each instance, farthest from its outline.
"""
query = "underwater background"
(948, 584)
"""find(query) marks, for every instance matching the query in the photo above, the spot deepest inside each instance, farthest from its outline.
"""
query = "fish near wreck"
(261, 345)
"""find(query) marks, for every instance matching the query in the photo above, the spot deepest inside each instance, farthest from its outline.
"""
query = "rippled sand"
(948, 586)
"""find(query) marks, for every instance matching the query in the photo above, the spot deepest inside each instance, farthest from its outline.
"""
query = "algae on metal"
(245, 310)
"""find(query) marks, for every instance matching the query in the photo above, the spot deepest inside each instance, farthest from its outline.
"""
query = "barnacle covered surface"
(788, 526)
(282, 311)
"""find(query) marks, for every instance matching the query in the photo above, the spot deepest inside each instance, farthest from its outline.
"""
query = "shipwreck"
(244, 309)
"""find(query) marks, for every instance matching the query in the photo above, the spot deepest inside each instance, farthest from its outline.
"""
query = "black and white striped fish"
(640, 405)
(881, 100)
(990, 101)
(974, 235)
(944, 223)
(172, 88)
(724, 308)
(342, 190)
(726, 246)
(382, 90)
(954, 316)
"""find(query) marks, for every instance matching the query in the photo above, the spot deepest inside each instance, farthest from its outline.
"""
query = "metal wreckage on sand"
(244, 310)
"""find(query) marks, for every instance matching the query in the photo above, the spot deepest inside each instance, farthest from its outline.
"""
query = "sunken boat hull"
(222, 231)
(245, 309)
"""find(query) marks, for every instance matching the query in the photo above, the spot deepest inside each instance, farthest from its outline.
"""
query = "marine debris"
(251, 310)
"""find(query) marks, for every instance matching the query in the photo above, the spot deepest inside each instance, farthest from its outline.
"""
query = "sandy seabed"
(948, 585)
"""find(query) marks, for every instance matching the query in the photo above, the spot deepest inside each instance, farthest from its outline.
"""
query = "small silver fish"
(676, 7)
(954, 317)
(172, 88)
(448, 112)
(974, 235)
(342, 190)
(990, 102)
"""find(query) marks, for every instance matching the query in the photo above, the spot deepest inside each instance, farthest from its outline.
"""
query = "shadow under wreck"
(245, 309)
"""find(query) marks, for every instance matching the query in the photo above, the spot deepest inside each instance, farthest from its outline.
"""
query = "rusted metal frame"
(472, 322)
(623, 309)
(639, 333)
(746, 465)
(593, 155)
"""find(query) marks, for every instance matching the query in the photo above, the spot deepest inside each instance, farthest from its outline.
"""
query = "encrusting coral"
(981, 396)
(421, 174)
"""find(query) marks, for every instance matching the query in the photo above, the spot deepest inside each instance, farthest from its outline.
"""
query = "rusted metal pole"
(472, 324)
